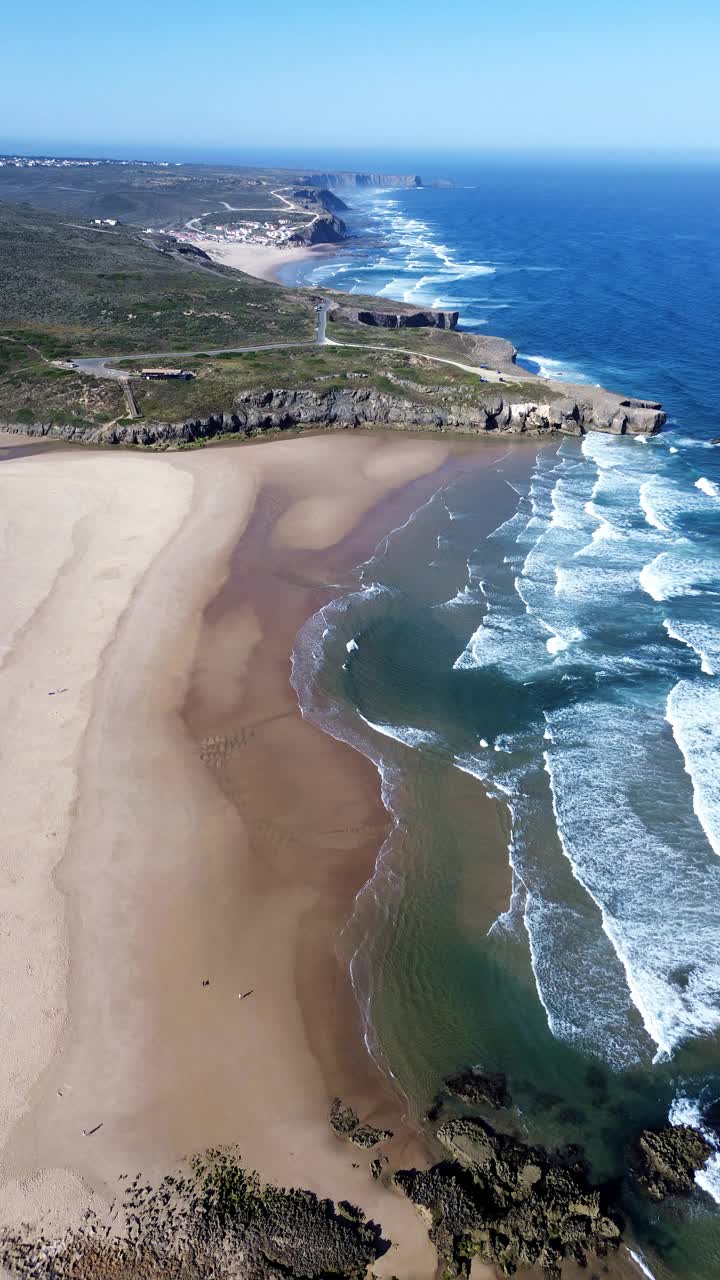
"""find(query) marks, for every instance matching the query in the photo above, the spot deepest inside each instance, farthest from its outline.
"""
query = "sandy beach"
(171, 820)
(264, 261)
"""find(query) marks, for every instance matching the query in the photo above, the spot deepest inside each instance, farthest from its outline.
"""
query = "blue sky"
(376, 75)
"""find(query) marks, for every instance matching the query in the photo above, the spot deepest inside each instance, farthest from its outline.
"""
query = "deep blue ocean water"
(570, 661)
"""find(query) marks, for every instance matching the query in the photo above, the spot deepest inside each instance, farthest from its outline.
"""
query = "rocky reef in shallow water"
(510, 1204)
(666, 1160)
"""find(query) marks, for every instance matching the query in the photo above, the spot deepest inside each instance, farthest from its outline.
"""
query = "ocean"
(567, 663)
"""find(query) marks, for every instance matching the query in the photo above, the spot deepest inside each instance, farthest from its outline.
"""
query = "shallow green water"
(445, 957)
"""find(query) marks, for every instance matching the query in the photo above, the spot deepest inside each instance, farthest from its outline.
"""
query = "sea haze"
(567, 659)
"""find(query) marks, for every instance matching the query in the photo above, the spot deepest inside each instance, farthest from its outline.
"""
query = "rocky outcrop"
(479, 1088)
(342, 1119)
(217, 1221)
(326, 199)
(362, 180)
(256, 411)
(325, 229)
(511, 1204)
(666, 1160)
(427, 319)
(346, 1124)
(368, 1136)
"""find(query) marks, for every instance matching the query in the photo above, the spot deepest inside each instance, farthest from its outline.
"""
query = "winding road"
(103, 366)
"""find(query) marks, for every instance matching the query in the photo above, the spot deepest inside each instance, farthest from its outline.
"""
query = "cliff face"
(362, 180)
(318, 196)
(429, 319)
(257, 411)
(325, 229)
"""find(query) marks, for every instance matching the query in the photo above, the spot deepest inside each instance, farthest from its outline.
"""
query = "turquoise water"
(567, 661)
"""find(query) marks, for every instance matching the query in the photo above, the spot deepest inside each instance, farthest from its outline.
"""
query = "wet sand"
(171, 820)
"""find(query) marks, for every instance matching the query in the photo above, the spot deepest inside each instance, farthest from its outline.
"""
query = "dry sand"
(263, 261)
(169, 818)
(128, 874)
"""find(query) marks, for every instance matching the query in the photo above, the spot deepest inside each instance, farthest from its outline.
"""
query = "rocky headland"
(351, 179)
(326, 228)
(396, 318)
(558, 412)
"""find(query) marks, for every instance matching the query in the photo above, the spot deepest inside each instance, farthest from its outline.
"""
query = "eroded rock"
(511, 1204)
(479, 1088)
(668, 1159)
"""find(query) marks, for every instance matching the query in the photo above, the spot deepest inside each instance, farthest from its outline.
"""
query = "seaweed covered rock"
(342, 1119)
(368, 1136)
(220, 1223)
(512, 1204)
(666, 1160)
(479, 1088)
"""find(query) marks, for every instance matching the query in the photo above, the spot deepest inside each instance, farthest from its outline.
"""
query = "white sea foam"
(640, 1262)
(559, 370)
(702, 637)
(407, 734)
(556, 644)
(686, 1112)
(646, 493)
(708, 486)
(693, 712)
(352, 646)
(651, 888)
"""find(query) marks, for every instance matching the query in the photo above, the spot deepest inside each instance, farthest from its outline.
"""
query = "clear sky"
(375, 75)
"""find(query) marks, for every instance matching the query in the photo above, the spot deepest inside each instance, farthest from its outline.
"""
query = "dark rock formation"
(171, 245)
(218, 1221)
(318, 196)
(325, 229)
(429, 319)
(479, 1088)
(368, 1136)
(666, 1160)
(342, 1119)
(715, 440)
(257, 411)
(511, 1204)
(362, 180)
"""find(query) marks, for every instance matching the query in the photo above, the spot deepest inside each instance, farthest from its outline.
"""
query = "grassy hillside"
(143, 195)
(81, 290)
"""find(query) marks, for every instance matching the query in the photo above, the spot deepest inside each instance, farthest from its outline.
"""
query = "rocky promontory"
(362, 180)
(666, 1160)
(396, 319)
(326, 228)
(490, 411)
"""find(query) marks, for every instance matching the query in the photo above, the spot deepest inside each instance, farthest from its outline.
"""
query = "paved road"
(99, 366)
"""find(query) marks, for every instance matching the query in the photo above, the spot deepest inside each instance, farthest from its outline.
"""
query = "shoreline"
(157, 897)
(265, 262)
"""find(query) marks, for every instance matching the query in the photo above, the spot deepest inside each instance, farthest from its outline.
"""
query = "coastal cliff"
(254, 412)
(326, 228)
(396, 319)
(362, 180)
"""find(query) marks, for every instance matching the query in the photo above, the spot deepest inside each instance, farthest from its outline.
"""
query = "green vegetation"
(83, 290)
(31, 390)
(144, 195)
(218, 379)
